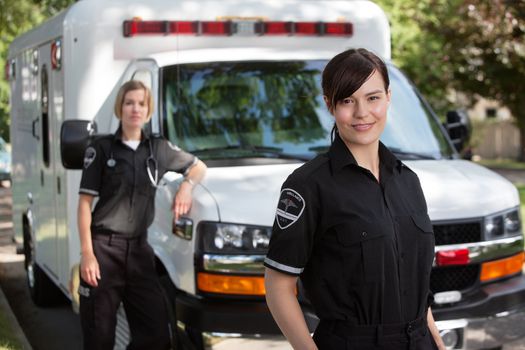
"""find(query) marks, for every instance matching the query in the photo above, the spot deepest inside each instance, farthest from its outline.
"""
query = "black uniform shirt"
(118, 174)
(363, 248)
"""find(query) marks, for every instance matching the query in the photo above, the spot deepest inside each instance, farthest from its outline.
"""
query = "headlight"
(219, 238)
(502, 225)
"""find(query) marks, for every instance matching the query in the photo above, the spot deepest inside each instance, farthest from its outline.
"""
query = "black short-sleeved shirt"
(118, 174)
(362, 248)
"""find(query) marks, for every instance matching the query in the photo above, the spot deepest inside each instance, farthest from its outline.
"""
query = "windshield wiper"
(406, 155)
(275, 152)
(320, 149)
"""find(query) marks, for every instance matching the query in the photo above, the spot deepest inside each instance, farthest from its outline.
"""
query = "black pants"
(127, 269)
(339, 335)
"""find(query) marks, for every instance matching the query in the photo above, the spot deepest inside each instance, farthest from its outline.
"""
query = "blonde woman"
(117, 263)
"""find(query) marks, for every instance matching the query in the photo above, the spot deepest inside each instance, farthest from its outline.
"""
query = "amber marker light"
(501, 268)
(229, 284)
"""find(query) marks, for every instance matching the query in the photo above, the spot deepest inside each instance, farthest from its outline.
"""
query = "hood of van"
(248, 194)
(458, 189)
(454, 189)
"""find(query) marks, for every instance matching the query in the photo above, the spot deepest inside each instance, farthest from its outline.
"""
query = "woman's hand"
(285, 309)
(89, 270)
(182, 201)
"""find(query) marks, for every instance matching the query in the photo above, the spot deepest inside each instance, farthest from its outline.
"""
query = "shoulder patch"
(290, 207)
(89, 156)
(173, 147)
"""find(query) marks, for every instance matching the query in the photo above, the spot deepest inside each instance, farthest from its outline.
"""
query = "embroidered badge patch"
(89, 156)
(289, 208)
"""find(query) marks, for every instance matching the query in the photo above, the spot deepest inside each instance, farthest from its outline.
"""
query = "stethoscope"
(153, 176)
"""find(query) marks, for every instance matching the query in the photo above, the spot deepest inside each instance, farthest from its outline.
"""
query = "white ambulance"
(237, 83)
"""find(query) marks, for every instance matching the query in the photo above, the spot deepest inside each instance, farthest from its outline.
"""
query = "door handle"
(34, 128)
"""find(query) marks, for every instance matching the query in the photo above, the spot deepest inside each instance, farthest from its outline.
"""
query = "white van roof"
(370, 25)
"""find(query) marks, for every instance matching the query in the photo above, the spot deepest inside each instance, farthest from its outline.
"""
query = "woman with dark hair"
(117, 263)
(353, 225)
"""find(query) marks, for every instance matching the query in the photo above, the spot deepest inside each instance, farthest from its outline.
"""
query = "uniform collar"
(340, 156)
(144, 135)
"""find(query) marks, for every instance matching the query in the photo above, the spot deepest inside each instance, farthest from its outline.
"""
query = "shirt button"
(364, 234)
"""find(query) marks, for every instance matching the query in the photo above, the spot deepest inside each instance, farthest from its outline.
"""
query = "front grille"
(457, 233)
(448, 278)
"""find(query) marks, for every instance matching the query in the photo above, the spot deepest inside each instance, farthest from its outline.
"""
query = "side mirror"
(75, 136)
(459, 128)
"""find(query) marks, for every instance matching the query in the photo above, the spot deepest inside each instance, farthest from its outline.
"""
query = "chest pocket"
(422, 221)
(363, 248)
(116, 175)
(417, 235)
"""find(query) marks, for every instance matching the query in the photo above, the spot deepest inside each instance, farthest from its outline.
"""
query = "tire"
(187, 339)
(42, 290)
(169, 298)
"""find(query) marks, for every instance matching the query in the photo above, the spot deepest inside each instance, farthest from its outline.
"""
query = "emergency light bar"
(228, 28)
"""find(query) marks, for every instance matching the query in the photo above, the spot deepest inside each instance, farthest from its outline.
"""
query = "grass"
(502, 164)
(7, 340)
(521, 190)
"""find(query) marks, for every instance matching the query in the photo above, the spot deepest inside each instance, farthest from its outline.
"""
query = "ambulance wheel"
(28, 243)
(43, 292)
(187, 339)
(169, 296)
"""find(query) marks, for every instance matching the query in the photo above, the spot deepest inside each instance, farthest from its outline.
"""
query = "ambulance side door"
(48, 186)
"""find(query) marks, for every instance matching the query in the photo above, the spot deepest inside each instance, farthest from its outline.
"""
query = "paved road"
(58, 327)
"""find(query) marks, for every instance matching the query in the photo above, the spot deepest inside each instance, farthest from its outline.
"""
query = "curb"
(11, 318)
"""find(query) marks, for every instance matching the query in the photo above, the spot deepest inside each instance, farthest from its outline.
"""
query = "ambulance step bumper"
(223, 341)
(233, 324)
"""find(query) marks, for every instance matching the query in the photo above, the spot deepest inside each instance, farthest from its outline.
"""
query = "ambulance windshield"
(266, 109)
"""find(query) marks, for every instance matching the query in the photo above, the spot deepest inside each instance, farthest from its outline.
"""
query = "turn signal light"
(501, 268)
(228, 284)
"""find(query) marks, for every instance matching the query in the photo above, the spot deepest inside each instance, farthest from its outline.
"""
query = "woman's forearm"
(285, 309)
(196, 172)
(434, 330)
(84, 223)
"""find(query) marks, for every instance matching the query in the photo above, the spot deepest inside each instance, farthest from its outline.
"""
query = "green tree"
(414, 47)
(485, 48)
(475, 47)
(17, 17)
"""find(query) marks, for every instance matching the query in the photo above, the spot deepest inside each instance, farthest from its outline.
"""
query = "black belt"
(117, 237)
(345, 329)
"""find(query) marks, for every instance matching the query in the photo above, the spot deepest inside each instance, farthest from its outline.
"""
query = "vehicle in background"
(5, 161)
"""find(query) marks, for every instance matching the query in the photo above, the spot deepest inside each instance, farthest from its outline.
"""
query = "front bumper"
(492, 321)
(233, 324)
